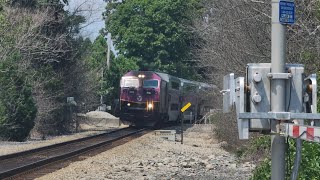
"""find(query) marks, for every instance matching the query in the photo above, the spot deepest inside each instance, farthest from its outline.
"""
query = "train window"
(190, 88)
(174, 107)
(191, 108)
(175, 85)
(131, 83)
(150, 83)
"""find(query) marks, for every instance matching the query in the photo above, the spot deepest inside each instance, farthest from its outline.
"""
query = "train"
(150, 98)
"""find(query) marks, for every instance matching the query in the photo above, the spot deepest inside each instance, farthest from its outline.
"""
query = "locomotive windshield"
(131, 83)
(150, 83)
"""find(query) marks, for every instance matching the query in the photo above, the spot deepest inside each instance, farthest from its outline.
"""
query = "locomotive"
(150, 98)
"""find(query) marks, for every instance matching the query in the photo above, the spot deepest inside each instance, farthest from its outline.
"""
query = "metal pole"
(295, 169)
(108, 63)
(108, 51)
(278, 50)
(181, 128)
(101, 96)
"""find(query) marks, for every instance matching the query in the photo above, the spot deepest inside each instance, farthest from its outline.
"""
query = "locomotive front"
(140, 98)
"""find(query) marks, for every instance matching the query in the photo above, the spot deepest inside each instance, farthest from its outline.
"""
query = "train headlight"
(150, 106)
(128, 104)
(141, 76)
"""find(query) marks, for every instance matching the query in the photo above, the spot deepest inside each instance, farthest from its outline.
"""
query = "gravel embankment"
(92, 123)
(151, 157)
(13, 147)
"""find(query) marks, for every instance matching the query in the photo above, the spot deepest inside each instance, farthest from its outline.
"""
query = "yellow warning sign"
(186, 107)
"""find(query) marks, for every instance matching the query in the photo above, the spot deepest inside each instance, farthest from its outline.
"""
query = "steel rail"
(22, 153)
(17, 163)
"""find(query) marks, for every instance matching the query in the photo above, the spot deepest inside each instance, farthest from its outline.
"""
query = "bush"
(310, 161)
(226, 129)
(263, 171)
(17, 108)
(309, 167)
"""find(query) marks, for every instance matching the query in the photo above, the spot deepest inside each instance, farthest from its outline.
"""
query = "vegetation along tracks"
(17, 163)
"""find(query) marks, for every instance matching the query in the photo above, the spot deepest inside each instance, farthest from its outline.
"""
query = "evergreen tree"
(17, 107)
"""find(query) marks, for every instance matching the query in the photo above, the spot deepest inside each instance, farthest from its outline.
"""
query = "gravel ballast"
(151, 157)
(92, 123)
(14, 147)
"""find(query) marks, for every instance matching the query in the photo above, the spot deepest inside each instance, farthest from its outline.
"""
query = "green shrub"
(263, 171)
(309, 167)
(17, 108)
(310, 161)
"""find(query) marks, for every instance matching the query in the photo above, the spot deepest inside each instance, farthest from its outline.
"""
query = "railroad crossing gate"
(308, 133)
(185, 107)
(251, 97)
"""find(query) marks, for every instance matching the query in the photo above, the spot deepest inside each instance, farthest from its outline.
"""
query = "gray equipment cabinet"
(251, 97)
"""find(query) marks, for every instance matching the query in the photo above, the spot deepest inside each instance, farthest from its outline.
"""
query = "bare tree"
(53, 59)
(233, 33)
(237, 32)
(24, 29)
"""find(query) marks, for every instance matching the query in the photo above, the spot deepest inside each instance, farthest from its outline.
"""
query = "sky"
(92, 10)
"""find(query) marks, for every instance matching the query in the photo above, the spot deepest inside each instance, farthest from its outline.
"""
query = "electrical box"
(259, 79)
(259, 94)
(228, 92)
(252, 97)
(295, 88)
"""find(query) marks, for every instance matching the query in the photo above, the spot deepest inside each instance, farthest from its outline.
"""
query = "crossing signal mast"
(275, 98)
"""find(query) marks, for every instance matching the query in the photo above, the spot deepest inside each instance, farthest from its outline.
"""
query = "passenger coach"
(148, 98)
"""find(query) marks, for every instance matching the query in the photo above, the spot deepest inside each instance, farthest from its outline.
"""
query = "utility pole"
(108, 63)
(101, 96)
(108, 50)
(278, 57)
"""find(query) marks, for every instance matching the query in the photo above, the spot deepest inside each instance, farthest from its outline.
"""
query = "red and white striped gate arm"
(308, 133)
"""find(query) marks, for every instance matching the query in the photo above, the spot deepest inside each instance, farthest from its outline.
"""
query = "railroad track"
(26, 161)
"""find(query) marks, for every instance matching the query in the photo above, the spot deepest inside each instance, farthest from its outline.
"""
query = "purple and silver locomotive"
(148, 98)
